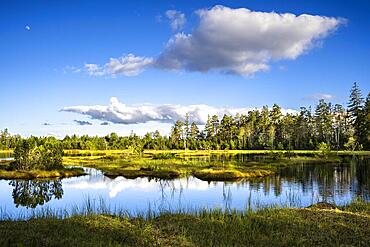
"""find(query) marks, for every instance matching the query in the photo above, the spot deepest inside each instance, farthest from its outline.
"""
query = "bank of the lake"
(7, 173)
(41, 174)
(314, 226)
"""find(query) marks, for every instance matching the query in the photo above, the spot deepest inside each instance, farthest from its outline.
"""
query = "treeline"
(334, 126)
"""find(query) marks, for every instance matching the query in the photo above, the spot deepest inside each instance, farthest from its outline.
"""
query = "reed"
(343, 226)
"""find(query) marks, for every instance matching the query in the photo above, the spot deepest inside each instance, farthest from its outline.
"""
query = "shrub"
(29, 155)
(324, 148)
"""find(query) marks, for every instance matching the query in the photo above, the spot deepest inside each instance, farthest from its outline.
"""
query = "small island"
(33, 160)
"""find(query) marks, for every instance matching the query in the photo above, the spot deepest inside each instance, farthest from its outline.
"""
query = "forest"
(334, 127)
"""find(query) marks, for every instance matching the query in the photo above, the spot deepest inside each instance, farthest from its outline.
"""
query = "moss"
(37, 174)
(173, 168)
(225, 174)
(135, 173)
(323, 205)
(174, 165)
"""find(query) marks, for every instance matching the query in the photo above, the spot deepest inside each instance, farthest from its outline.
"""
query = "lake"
(295, 186)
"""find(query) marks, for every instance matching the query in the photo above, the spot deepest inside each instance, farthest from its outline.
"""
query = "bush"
(324, 148)
(29, 155)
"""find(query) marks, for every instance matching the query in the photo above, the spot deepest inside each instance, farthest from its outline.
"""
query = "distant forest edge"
(327, 127)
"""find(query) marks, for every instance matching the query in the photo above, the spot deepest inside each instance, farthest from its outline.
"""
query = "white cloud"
(72, 69)
(318, 96)
(234, 41)
(176, 18)
(242, 41)
(129, 65)
(120, 113)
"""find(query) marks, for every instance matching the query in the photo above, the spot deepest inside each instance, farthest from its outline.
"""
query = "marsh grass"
(75, 152)
(170, 165)
(40, 174)
(345, 226)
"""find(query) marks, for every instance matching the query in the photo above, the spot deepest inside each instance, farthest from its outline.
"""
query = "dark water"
(296, 186)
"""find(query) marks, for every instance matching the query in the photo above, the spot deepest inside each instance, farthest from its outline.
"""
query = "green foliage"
(324, 148)
(30, 155)
(8, 141)
(350, 144)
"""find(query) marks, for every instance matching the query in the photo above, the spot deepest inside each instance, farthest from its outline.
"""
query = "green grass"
(174, 165)
(168, 164)
(229, 174)
(200, 152)
(41, 174)
(209, 152)
(343, 226)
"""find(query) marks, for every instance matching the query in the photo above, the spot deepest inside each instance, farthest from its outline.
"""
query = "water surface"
(296, 186)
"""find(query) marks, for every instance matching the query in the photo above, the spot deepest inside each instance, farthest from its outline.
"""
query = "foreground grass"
(314, 226)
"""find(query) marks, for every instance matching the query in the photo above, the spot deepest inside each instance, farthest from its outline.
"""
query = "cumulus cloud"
(234, 41)
(176, 18)
(117, 112)
(242, 41)
(129, 65)
(82, 122)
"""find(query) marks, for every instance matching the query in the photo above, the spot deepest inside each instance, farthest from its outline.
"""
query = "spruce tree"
(355, 108)
(365, 124)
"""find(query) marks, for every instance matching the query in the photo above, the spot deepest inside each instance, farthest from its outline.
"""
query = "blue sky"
(45, 47)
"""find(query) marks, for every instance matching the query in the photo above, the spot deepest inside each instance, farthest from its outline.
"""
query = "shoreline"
(41, 174)
(318, 225)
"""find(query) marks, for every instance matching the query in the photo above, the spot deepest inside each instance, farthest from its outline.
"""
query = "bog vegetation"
(319, 225)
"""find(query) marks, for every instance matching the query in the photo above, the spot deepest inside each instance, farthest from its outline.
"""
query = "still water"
(296, 186)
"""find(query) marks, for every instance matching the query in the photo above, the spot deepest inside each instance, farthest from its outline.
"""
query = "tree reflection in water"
(294, 185)
(31, 193)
